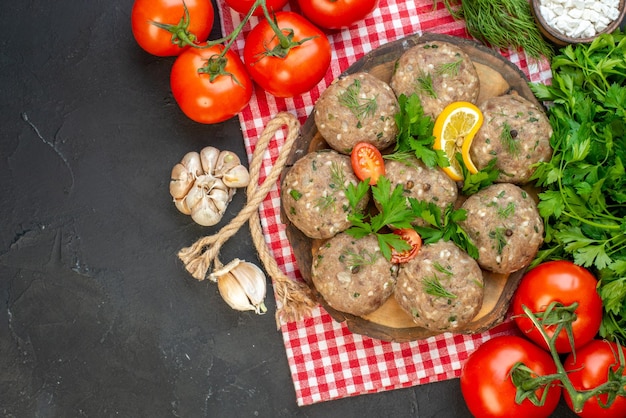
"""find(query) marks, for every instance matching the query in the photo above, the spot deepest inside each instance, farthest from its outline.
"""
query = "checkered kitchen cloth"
(326, 360)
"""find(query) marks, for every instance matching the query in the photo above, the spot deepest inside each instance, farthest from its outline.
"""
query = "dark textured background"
(98, 317)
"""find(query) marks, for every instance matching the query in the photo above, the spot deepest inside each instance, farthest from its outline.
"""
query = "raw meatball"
(514, 131)
(439, 72)
(442, 288)
(357, 108)
(313, 193)
(422, 182)
(504, 224)
(352, 275)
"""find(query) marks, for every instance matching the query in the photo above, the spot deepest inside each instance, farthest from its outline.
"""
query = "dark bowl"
(560, 39)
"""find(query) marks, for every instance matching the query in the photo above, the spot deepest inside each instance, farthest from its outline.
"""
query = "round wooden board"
(389, 323)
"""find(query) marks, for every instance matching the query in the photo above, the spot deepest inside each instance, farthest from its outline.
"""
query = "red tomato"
(336, 14)
(202, 99)
(564, 282)
(243, 6)
(415, 241)
(158, 41)
(367, 162)
(591, 370)
(281, 72)
(486, 384)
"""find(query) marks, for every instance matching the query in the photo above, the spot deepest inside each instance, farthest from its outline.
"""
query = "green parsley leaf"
(394, 211)
(415, 134)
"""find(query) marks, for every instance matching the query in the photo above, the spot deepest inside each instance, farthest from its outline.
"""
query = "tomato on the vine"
(243, 6)
(292, 64)
(486, 383)
(411, 236)
(588, 369)
(209, 88)
(336, 14)
(564, 282)
(183, 28)
(367, 162)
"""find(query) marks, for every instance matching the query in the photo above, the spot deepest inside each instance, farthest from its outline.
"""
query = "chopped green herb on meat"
(296, 195)
(360, 107)
(508, 136)
(498, 236)
(424, 84)
(449, 68)
(433, 286)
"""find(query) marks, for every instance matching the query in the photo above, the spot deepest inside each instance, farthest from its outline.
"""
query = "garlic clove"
(181, 205)
(249, 277)
(225, 162)
(253, 281)
(233, 294)
(181, 180)
(191, 161)
(205, 213)
(221, 199)
(236, 177)
(209, 158)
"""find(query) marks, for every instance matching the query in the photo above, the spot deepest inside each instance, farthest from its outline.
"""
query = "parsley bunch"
(584, 199)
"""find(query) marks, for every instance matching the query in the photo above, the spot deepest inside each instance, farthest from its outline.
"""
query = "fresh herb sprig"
(433, 286)
(583, 202)
(393, 212)
(415, 134)
(501, 24)
(360, 108)
(442, 226)
(473, 182)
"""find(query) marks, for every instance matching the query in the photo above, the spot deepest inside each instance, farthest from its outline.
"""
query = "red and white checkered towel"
(327, 361)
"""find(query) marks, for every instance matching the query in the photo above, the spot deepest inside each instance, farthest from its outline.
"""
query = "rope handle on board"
(295, 299)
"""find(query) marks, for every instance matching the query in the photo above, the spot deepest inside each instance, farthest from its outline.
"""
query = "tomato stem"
(613, 387)
(180, 32)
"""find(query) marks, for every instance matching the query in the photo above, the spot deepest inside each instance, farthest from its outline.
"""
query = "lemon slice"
(454, 132)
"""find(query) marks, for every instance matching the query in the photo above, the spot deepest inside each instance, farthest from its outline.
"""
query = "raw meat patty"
(421, 182)
(352, 275)
(439, 72)
(514, 131)
(441, 288)
(313, 193)
(504, 224)
(357, 108)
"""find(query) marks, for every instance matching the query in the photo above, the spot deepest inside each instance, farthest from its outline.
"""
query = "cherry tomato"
(564, 282)
(367, 162)
(589, 369)
(486, 384)
(415, 241)
(202, 99)
(243, 6)
(292, 71)
(336, 14)
(158, 41)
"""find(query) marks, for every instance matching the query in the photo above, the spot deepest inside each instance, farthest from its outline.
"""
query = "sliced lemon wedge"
(454, 132)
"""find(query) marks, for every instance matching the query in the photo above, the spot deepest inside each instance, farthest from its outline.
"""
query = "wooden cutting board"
(497, 76)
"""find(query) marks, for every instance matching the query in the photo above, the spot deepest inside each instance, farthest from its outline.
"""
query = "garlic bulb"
(203, 184)
(242, 285)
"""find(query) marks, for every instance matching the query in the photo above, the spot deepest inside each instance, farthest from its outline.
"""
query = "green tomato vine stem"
(578, 398)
